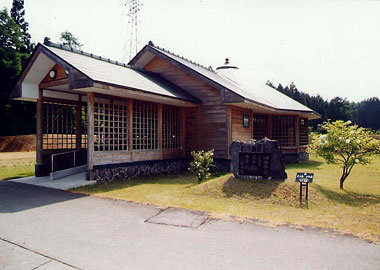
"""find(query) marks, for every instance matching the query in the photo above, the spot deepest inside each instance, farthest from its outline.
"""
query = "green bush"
(202, 164)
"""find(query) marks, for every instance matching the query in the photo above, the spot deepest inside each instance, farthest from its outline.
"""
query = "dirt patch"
(21, 143)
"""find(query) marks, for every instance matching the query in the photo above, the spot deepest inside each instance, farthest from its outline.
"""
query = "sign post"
(304, 179)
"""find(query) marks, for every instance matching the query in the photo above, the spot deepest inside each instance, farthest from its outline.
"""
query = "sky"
(326, 47)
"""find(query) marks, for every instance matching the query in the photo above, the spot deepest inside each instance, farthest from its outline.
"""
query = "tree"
(345, 144)
(339, 109)
(18, 13)
(365, 112)
(15, 117)
(69, 40)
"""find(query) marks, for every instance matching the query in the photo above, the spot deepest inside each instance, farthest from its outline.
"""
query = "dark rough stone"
(138, 170)
(128, 171)
(265, 145)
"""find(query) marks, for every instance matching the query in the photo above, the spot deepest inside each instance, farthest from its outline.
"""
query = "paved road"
(42, 228)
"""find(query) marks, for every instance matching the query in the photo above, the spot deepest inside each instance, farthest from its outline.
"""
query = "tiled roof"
(250, 90)
(104, 70)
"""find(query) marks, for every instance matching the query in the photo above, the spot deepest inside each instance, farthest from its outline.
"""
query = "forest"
(361, 113)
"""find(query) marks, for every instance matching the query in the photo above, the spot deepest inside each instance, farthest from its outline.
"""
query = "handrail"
(63, 153)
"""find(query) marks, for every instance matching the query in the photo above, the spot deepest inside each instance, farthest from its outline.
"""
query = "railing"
(66, 160)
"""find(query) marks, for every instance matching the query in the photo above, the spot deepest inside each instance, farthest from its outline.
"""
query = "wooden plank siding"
(206, 127)
(239, 132)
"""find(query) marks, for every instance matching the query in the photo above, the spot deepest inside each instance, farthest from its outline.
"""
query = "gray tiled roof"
(111, 72)
(250, 90)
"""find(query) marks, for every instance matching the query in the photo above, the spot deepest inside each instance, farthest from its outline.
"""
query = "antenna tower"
(132, 41)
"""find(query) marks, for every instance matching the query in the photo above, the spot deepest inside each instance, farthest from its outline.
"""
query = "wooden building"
(145, 117)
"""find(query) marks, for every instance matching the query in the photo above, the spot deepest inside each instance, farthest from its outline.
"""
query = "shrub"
(202, 164)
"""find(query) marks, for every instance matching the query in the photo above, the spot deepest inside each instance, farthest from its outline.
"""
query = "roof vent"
(227, 70)
(226, 65)
(46, 41)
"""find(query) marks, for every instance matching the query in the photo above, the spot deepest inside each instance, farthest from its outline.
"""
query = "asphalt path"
(42, 228)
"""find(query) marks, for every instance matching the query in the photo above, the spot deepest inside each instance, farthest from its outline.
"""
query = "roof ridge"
(182, 57)
(48, 43)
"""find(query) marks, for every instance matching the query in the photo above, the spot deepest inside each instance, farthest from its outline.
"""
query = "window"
(110, 125)
(145, 125)
(304, 131)
(260, 126)
(170, 127)
(58, 125)
(246, 121)
(84, 127)
(284, 130)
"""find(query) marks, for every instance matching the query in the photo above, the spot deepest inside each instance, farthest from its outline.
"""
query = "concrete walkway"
(43, 228)
(72, 181)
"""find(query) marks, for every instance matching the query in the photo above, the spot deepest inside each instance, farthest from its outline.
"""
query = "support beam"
(229, 130)
(130, 126)
(297, 131)
(90, 130)
(78, 135)
(270, 127)
(159, 111)
(39, 132)
(182, 131)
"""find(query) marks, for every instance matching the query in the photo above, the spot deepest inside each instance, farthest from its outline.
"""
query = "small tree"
(69, 40)
(202, 164)
(344, 144)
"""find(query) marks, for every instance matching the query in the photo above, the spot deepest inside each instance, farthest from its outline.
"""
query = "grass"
(355, 210)
(16, 164)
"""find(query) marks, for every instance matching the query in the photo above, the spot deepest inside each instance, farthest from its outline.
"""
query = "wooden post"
(297, 131)
(270, 127)
(78, 134)
(182, 131)
(90, 130)
(39, 132)
(130, 126)
(159, 108)
(229, 130)
(251, 123)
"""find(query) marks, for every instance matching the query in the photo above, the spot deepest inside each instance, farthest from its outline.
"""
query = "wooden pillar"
(297, 131)
(130, 126)
(39, 132)
(159, 108)
(78, 134)
(270, 127)
(251, 123)
(90, 130)
(229, 130)
(182, 131)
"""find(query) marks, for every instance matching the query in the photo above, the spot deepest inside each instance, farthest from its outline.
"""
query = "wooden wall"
(210, 130)
(114, 157)
(239, 132)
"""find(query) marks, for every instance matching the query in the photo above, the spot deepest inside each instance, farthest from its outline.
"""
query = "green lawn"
(355, 210)
(16, 164)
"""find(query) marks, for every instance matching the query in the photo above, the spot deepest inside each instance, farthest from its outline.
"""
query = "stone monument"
(257, 160)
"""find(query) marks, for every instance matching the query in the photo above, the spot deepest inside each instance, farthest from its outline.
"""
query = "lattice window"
(145, 125)
(284, 130)
(58, 125)
(170, 127)
(84, 127)
(260, 126)
(110, 125)
(304, 131)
